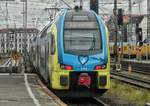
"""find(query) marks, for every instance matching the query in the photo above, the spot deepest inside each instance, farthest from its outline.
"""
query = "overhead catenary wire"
(43, 10)
(35, 7)
(36, 4)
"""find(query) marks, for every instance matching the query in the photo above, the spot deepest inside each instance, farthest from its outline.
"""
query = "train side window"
(52, 44)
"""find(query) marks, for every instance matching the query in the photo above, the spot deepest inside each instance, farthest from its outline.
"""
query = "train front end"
(83, 55)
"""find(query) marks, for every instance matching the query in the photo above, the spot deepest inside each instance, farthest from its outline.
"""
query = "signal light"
(119, 50)
(66, 67)
(120, 16)
(139, 49)
(140, 34)
(99, 67)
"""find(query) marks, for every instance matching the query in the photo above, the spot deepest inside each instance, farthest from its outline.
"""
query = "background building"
(13, 39)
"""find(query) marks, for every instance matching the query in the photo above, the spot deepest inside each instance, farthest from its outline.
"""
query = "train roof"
(73, 15)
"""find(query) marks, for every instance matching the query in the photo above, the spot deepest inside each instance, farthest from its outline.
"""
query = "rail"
(100, 101)
(139, 67)
(131, 79)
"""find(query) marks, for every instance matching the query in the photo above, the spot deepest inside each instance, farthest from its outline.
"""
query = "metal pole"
(25, 24)
(116, 31)
(15, 36)
(81, 4)
(130, 24)
(148, 29)
(7, 32)
(3, 37)
(25, 31)
(8, 37)
(122, 35)
(25, 35)
(130, 19)
(3, 43)
(130, 35)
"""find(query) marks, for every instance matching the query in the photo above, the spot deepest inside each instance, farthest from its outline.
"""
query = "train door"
(52, 50)
(48, 55)
(34, 55)
(37, 54)
(43, 55)
(46, 59)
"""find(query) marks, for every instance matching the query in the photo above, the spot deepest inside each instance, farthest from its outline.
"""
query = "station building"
(14, 39)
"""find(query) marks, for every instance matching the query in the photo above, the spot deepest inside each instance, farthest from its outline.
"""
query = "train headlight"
(66, 67)
(99, 67)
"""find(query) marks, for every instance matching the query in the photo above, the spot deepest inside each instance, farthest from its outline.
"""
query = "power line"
(17, 6)
(41, 14)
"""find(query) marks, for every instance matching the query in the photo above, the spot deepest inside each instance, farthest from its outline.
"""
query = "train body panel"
(74, 61)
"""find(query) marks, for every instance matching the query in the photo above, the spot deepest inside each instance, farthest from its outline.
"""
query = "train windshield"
(81, 35)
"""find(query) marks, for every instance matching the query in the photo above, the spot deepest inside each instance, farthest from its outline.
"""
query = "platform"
(23, 90)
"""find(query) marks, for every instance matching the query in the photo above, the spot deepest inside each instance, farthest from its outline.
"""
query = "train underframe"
(77, 83)
(80, 84)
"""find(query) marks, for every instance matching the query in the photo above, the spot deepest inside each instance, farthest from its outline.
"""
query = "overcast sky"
(37, 16)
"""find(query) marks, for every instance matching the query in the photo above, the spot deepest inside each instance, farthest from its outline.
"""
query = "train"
(132, 50)
(71, 54)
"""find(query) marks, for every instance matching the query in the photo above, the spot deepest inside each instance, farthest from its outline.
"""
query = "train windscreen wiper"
(93, 43)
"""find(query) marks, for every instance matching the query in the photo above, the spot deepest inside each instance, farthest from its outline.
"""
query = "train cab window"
(52, 44)
(81, 34)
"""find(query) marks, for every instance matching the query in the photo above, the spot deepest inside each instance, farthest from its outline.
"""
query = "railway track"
(84, 101)
(62, 101)
(137, 67)
(100, 101)
(142, 68)
(95, 101)
(137, 70)
(131, 79)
